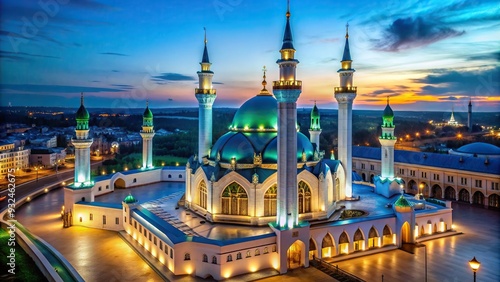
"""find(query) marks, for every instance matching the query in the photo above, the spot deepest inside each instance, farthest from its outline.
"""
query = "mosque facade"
(262, 172)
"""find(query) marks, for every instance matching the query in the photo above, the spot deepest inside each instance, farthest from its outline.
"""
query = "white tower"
(147, 134)
(315, 128)
(206, 96)
(387, 141)
(82, 144)
(287, 90)
(345, 95)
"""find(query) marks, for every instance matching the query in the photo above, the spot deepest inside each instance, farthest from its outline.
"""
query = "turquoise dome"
(254, 131)
(129, 199)
(257, 113)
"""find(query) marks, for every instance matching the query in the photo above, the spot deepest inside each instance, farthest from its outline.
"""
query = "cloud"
(40, 88)
(486, 56)
(115, 70)
(449, 98)
(483, 82)
(113, 54)
(171, 76)
(23, 55)
(407, 33)
(216, 82)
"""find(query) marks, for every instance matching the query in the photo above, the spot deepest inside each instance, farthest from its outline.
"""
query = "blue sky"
(426, 55)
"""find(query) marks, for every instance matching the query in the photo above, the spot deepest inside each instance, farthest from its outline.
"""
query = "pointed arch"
(327, 246)
(304, 197)
(478, 198)
(359, 240)
(234, 200)
(202, 194)
(270, 202)
(387, 236)
(373, 238)
(464, 196)
(313, 250)
(344, 243)
(449, 193)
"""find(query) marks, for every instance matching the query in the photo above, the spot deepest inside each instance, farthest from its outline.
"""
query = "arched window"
(180, 176)
(205, 258)
(248, 254)
(266, 250)
(229, 258)
(187, 256)
(257, 252)
(214, 260)
(344, 243)
(327, 246)
(373, 238)
(359, 241)
(234, 200)
(304, 197)
(270, 200)
(238, 256)
(202, 194)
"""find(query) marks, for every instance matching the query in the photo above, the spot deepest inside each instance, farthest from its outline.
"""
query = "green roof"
(257, 113)
(82, 113)
(402, 202)
(388, 113)
(129, 199)
(148, 113)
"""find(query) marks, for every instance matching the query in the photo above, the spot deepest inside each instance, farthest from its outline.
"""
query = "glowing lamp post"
(474, 264)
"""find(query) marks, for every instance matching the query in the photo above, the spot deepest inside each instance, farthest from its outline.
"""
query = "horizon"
(432, 57)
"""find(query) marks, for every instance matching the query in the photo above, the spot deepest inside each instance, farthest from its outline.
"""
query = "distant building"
(13, 157)
(452, 121)
(45, 141)
(47, 157)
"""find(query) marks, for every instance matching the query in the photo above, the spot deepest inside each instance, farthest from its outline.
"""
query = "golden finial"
(347, 31)
(288, 9)
(264, 83)
(205, 35)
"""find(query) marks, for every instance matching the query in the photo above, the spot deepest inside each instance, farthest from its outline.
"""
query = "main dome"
(253, 132)
(259, 113)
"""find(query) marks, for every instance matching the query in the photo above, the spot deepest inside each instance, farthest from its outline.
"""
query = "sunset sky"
(426, 55)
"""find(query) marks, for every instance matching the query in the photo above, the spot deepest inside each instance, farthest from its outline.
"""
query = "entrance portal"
(294, 255)
(120, 183)
(405, 233)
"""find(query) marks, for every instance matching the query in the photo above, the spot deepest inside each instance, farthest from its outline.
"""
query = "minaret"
(147, 134)
(206, 96)
(387, 140)
(452, 121)
(315, 128)
(469, 116)
(345, 95)
(82, 144)
(287, 90)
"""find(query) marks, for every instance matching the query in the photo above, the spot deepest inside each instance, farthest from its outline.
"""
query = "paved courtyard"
(100, 255)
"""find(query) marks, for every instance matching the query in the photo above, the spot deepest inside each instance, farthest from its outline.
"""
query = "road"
(29, 187)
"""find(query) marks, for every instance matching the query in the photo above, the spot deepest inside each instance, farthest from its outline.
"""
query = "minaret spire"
(264, 91)
(205, 94)
(81, 99)
(345, 95)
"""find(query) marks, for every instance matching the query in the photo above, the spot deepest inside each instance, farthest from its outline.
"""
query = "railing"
(205, 91)
(287, 84)
(346, 89)
(335, 271)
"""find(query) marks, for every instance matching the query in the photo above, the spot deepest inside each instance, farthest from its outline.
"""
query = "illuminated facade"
(263, 172)
(82, 144)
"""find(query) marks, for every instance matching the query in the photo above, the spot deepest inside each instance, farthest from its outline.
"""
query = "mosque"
(261, 174)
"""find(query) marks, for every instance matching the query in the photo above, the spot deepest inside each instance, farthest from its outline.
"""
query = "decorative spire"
(347, 53)
(470, 101)
(205, 50)
(287, 37)
(81, 99)
(388, 100)
(264, 91)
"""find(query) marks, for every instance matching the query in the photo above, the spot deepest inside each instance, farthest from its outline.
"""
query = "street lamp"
(474, 264)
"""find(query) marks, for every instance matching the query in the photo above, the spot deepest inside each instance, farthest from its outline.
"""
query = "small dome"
(257, 113)
(82, 113)
(129, 199)
(315, 111)
(388, 113)
(147, 113)
(479, 148)
(402, 204)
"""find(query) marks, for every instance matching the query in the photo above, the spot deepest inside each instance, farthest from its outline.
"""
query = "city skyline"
(428, 57)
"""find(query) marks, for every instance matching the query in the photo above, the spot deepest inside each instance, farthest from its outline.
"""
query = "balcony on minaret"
(205, 91)
(345, 89)
(287, 84)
